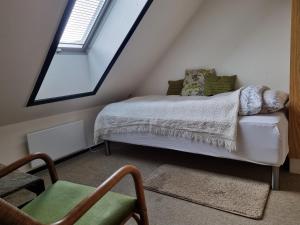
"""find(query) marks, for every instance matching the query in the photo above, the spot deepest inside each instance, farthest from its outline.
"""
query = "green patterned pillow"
(175, 87)
(219, 84)
(194, 80)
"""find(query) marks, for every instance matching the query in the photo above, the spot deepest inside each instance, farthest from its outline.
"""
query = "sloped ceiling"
(27, 28)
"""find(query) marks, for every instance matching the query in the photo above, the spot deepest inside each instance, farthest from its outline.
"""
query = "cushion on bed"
(274, 101)
(218, 84)
(251, 100)
(194, 80)
(175, 87)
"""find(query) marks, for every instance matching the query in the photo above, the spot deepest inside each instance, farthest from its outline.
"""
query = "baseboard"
(295, 166)
(43, 167)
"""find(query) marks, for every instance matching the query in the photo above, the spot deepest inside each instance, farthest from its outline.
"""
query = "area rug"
(231, 194)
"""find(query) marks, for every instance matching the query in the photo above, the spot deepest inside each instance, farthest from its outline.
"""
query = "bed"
(261, 139)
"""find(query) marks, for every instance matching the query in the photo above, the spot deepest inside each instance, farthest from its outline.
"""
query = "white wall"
(13, 137)
(243, 37)
(68, 74)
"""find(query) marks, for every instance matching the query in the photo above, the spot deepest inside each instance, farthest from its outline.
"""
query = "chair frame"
(10, 215)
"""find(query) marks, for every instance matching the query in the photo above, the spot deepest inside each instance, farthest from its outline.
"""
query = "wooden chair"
(66, 203)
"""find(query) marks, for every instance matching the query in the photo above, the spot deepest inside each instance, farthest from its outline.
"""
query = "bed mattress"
(262, 139)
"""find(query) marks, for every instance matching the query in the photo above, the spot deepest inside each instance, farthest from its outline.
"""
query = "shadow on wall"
(247, 38)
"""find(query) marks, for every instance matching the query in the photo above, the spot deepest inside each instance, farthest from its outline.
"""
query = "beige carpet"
(232, 194)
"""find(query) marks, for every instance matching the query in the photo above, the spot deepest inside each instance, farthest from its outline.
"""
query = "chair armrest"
(102, 189)
(10, 215)
(21, 162)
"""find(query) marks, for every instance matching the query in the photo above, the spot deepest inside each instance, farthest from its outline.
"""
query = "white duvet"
(212, 120)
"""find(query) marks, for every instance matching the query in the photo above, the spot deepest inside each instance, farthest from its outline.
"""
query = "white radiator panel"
(57, 142)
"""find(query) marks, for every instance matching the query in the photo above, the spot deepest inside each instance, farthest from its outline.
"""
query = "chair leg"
(144, 218)
(275, 178)
(140, 217)
(136, 218)
(107, 148)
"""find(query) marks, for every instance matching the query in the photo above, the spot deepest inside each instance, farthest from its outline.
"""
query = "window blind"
(80, 22)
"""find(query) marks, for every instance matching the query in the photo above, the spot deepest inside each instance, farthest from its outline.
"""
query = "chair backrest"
(10, 215)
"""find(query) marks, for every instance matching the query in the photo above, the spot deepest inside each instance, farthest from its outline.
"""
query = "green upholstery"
(53, 204)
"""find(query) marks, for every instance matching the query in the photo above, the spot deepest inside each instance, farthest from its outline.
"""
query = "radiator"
(58, 142)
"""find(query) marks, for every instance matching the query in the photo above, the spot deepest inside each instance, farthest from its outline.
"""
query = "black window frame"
(53, 48)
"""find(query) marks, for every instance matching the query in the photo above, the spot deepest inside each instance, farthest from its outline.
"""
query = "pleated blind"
(80, 22)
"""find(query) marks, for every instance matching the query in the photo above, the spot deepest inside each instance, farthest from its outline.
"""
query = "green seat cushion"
(53, 204)
(218, 84)
(175, 87)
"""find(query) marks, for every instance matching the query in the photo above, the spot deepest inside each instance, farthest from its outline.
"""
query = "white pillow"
(251, 100)
(274, 101)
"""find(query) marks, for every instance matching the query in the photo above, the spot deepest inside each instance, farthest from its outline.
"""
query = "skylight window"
(95, 44)
(80, 23)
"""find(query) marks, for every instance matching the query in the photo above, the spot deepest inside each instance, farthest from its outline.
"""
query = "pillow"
(251, 100)
(274, 101)
(193, 83)
(218, 84)
(175, 87)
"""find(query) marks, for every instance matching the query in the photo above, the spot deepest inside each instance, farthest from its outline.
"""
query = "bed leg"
(107, 148)
(275, 178)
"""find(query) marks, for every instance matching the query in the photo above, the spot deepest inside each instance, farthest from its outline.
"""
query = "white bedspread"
(212, 120)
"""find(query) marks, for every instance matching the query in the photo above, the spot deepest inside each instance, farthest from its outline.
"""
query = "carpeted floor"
(283, 207)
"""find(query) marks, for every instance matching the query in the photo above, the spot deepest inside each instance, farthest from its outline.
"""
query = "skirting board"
(295, 166)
